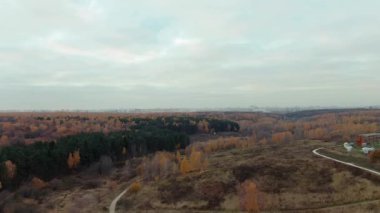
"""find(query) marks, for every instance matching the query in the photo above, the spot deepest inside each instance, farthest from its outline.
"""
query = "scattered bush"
(38, 183)
(226, 143)
(92, 184)
(27, 191)
(211, 191)
(135, 187)
(20, 208)
(80, 203)
(161, 164)
(112, 185)
(173, 190)
(56, 184)
(374, 156)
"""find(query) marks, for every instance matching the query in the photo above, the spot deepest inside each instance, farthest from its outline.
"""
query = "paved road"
(315, 151)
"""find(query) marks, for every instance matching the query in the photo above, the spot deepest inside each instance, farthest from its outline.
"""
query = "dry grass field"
(288, 176)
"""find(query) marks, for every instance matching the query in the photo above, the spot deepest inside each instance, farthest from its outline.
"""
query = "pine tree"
(76, 158)
(124, 152)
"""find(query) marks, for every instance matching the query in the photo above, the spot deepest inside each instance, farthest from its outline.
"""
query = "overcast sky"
(112, 54)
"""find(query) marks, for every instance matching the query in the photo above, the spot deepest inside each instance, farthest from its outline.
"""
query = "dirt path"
(112, 208)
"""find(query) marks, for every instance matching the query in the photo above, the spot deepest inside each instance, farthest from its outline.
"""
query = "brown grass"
(287, 176)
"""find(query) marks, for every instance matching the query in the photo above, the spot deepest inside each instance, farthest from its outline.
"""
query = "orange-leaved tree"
(185, 166)
(248, 194)
(73, 159)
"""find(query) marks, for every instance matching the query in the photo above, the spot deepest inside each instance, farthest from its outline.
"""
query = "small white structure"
(367, 150)
(348, 147)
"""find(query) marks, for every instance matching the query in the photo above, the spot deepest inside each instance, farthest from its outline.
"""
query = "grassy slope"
(356, 156)
(289, 177)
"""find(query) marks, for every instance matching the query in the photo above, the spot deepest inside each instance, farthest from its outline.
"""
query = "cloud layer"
(92, 54)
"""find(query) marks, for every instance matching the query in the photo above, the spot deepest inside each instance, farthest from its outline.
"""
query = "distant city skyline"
(99, 55)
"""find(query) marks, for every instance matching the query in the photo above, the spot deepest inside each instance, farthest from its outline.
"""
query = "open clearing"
(289, 176)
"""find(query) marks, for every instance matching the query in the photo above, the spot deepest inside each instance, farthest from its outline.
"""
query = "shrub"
(173, 190)
(374, 156)
(38, 183)
(20, 208)
(56, 184)
(82, 202)
(27, 191)
(135, 187)
(212, 191)
(92, 184)
(112, 185)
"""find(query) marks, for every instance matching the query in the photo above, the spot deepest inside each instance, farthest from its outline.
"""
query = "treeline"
(27, 128)
(335, 125)
(188, 125)
(47, 160)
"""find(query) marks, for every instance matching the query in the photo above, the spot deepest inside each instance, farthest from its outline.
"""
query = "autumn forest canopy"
(179, 156)
(47, 145)
(136, 137)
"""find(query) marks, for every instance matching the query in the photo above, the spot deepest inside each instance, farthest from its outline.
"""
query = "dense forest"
(141, 136)
(44, 152)
(29, 127)
(121, 136)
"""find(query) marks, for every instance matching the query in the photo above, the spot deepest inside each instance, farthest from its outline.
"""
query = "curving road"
(114, 202)
(315, 151)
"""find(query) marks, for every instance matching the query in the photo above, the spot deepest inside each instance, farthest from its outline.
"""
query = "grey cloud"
(91, 54)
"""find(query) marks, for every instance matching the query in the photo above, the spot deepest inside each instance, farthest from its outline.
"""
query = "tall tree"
(11, 169)
(185, 166)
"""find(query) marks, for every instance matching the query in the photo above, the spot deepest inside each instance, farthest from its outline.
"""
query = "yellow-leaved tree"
(185, 166)
(248, 194)
(195, 160)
